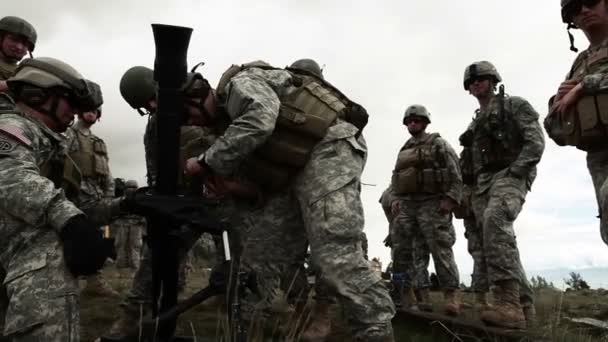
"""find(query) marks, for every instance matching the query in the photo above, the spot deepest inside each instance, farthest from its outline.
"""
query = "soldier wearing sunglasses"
(578, 114)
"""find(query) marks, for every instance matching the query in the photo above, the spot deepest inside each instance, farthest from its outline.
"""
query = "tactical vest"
(91, 157)
(305, 116)
(421, 168)
(64, 174)
(497, 141)
(466, 158)
(584, 125)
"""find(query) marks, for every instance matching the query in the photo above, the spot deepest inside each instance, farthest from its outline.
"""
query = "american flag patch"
(16, 133)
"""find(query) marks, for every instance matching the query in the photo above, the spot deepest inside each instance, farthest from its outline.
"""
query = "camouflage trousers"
(597, 163)
(39, 296)
(479, 278)
(495, 211)
(128, 246)
(421, 226)
(279, 235)
(407, 259)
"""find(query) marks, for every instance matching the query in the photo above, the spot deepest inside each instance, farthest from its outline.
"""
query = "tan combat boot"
(320, 326)
(423, 296)
(408, 299)
(453, 302)
(97, 286)
(506, 311)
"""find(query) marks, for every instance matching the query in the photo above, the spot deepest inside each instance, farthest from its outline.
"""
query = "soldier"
(90, 154)
(426, 186)
(128, 230)
(137, 87)
(45, 239)
(311, 179)
(577, 96)
(506, 143)
(17, 38)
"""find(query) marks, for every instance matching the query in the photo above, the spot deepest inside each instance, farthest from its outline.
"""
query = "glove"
(388, 242)
(84, 248)
(128, 204)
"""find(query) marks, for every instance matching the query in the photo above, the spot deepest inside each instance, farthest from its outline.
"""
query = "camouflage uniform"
(42, 293)
(321, 207)
(128, 230)
(499, 192)
(419, 215)
(591, 68)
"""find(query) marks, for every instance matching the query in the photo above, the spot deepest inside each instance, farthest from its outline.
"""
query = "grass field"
(553, 308)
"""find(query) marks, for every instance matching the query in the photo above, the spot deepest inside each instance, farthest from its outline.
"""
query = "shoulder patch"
(15, 132)
(6, 145)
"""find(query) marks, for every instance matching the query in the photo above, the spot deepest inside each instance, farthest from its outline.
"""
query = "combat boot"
(481, 301)
(408, 299)
(506, 311)
(530, 313)
(97, 286)
(453, 302)
(423, 296)
(320, 327)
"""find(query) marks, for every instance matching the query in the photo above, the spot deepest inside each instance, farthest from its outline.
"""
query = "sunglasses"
(414, 120)
(574, 7)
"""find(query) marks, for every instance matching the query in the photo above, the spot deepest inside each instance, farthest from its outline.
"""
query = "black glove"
(388, 242)
(128, 203)
(84, 248)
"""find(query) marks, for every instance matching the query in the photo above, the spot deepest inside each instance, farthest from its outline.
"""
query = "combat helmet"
(131, 183)
(137, 87)
(307, 65)
(416, 110)
(18, 26)
(481, 68)
(568, 7)
(48, 74)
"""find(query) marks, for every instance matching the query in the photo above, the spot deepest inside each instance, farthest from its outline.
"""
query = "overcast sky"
(385, 55)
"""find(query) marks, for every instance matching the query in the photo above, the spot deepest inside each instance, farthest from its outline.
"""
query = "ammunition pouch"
(413, 180)
(583, 126)
(304, 118)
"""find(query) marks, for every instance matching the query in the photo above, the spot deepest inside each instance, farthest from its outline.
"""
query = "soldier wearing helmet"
(90, 154)
(307, 65)
(200, 127)
(581, 98)
(17, 38)
(295, 136)
(46, 240)
(426, 187)
(505, 142)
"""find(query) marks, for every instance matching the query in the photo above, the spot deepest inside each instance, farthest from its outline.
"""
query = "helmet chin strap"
(571, 37)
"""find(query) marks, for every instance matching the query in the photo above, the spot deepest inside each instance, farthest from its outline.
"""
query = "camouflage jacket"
(591, 68)
(522, 128)
(32, 208)
(253, 107)
(150, 150)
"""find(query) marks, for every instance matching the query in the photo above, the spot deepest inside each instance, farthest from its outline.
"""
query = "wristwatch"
(201, 161)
